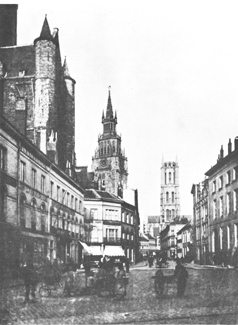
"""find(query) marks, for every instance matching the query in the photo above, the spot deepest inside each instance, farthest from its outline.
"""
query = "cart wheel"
(159, 282)
(44, 291)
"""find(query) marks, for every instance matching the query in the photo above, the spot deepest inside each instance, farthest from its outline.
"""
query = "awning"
(95, 250)
(113, 251)
(86, 247)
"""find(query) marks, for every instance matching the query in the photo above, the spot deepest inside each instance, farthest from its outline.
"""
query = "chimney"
(8, 25)
(221, 152)
(229, 146)
(51, 147)
(236, 143)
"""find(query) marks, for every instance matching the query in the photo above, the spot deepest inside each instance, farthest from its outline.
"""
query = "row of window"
(231, 204)
(111, 214)
(61, 195)
(228, 230)
(168, 199)
(108, 148)
(113, 234)
(228, 178)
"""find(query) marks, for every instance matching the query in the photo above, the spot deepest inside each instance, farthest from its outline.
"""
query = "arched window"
(22, 211)
(33, 214)
(165, 178)
(113, 147)
(167, 197)
(43, 217)
(172, 197)
(101, 149)
(170, 177)
(168, 214)
(173, 214)
(213, 241)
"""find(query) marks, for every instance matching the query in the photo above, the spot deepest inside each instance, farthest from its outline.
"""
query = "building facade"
(223, 207)
(109, 163)
(168, 238)
(38, 200)
(200, 221)
(169, 196)
(185, 247)
(112, 225)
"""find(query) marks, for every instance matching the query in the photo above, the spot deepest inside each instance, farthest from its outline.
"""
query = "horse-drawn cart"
(106, 282)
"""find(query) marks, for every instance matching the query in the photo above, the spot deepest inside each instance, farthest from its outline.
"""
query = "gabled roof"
(186, 227)
(95, 195)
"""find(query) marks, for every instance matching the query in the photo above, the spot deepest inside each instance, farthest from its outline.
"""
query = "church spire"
(109, 113)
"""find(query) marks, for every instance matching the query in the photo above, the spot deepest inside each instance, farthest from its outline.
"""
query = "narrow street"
(210, 297)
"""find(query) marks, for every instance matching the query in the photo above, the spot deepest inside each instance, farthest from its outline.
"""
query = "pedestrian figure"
(30, 279)
(150, 260)
(127, 262)
(120, 282)
(181, 274)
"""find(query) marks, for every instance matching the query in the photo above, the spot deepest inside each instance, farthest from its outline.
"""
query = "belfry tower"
(169, 196)
(109, 163)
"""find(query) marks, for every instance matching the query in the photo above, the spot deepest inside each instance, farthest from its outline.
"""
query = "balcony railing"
(112, 240)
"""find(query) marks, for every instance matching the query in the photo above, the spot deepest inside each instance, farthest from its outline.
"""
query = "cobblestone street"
(210, 298)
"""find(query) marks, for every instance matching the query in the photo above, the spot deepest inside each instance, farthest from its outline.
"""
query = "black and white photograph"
(118, 162)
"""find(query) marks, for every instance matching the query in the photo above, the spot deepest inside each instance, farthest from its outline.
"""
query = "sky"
(173, 71)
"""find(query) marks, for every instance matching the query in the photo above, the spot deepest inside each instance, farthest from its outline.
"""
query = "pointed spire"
(102, 116)
(45, 32)
(109, 113)
(65, 68)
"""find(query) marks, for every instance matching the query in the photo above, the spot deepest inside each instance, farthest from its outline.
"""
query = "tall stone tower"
(109, 163)
(169, 197)
(37, 93)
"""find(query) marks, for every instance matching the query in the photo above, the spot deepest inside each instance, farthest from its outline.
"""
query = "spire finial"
(109, 113)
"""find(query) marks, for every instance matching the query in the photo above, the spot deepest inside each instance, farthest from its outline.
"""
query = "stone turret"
(45, 75)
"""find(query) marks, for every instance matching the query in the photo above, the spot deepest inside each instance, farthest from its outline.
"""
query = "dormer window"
(22, 73)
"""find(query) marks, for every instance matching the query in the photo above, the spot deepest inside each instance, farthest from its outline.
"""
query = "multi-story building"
(39, 197)
(168, 238)
(169, 196)
(223, 206)
(200, 221)
(185, 248)
(152, 226)
(109, 163)
(112, 225)
(38, 200)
